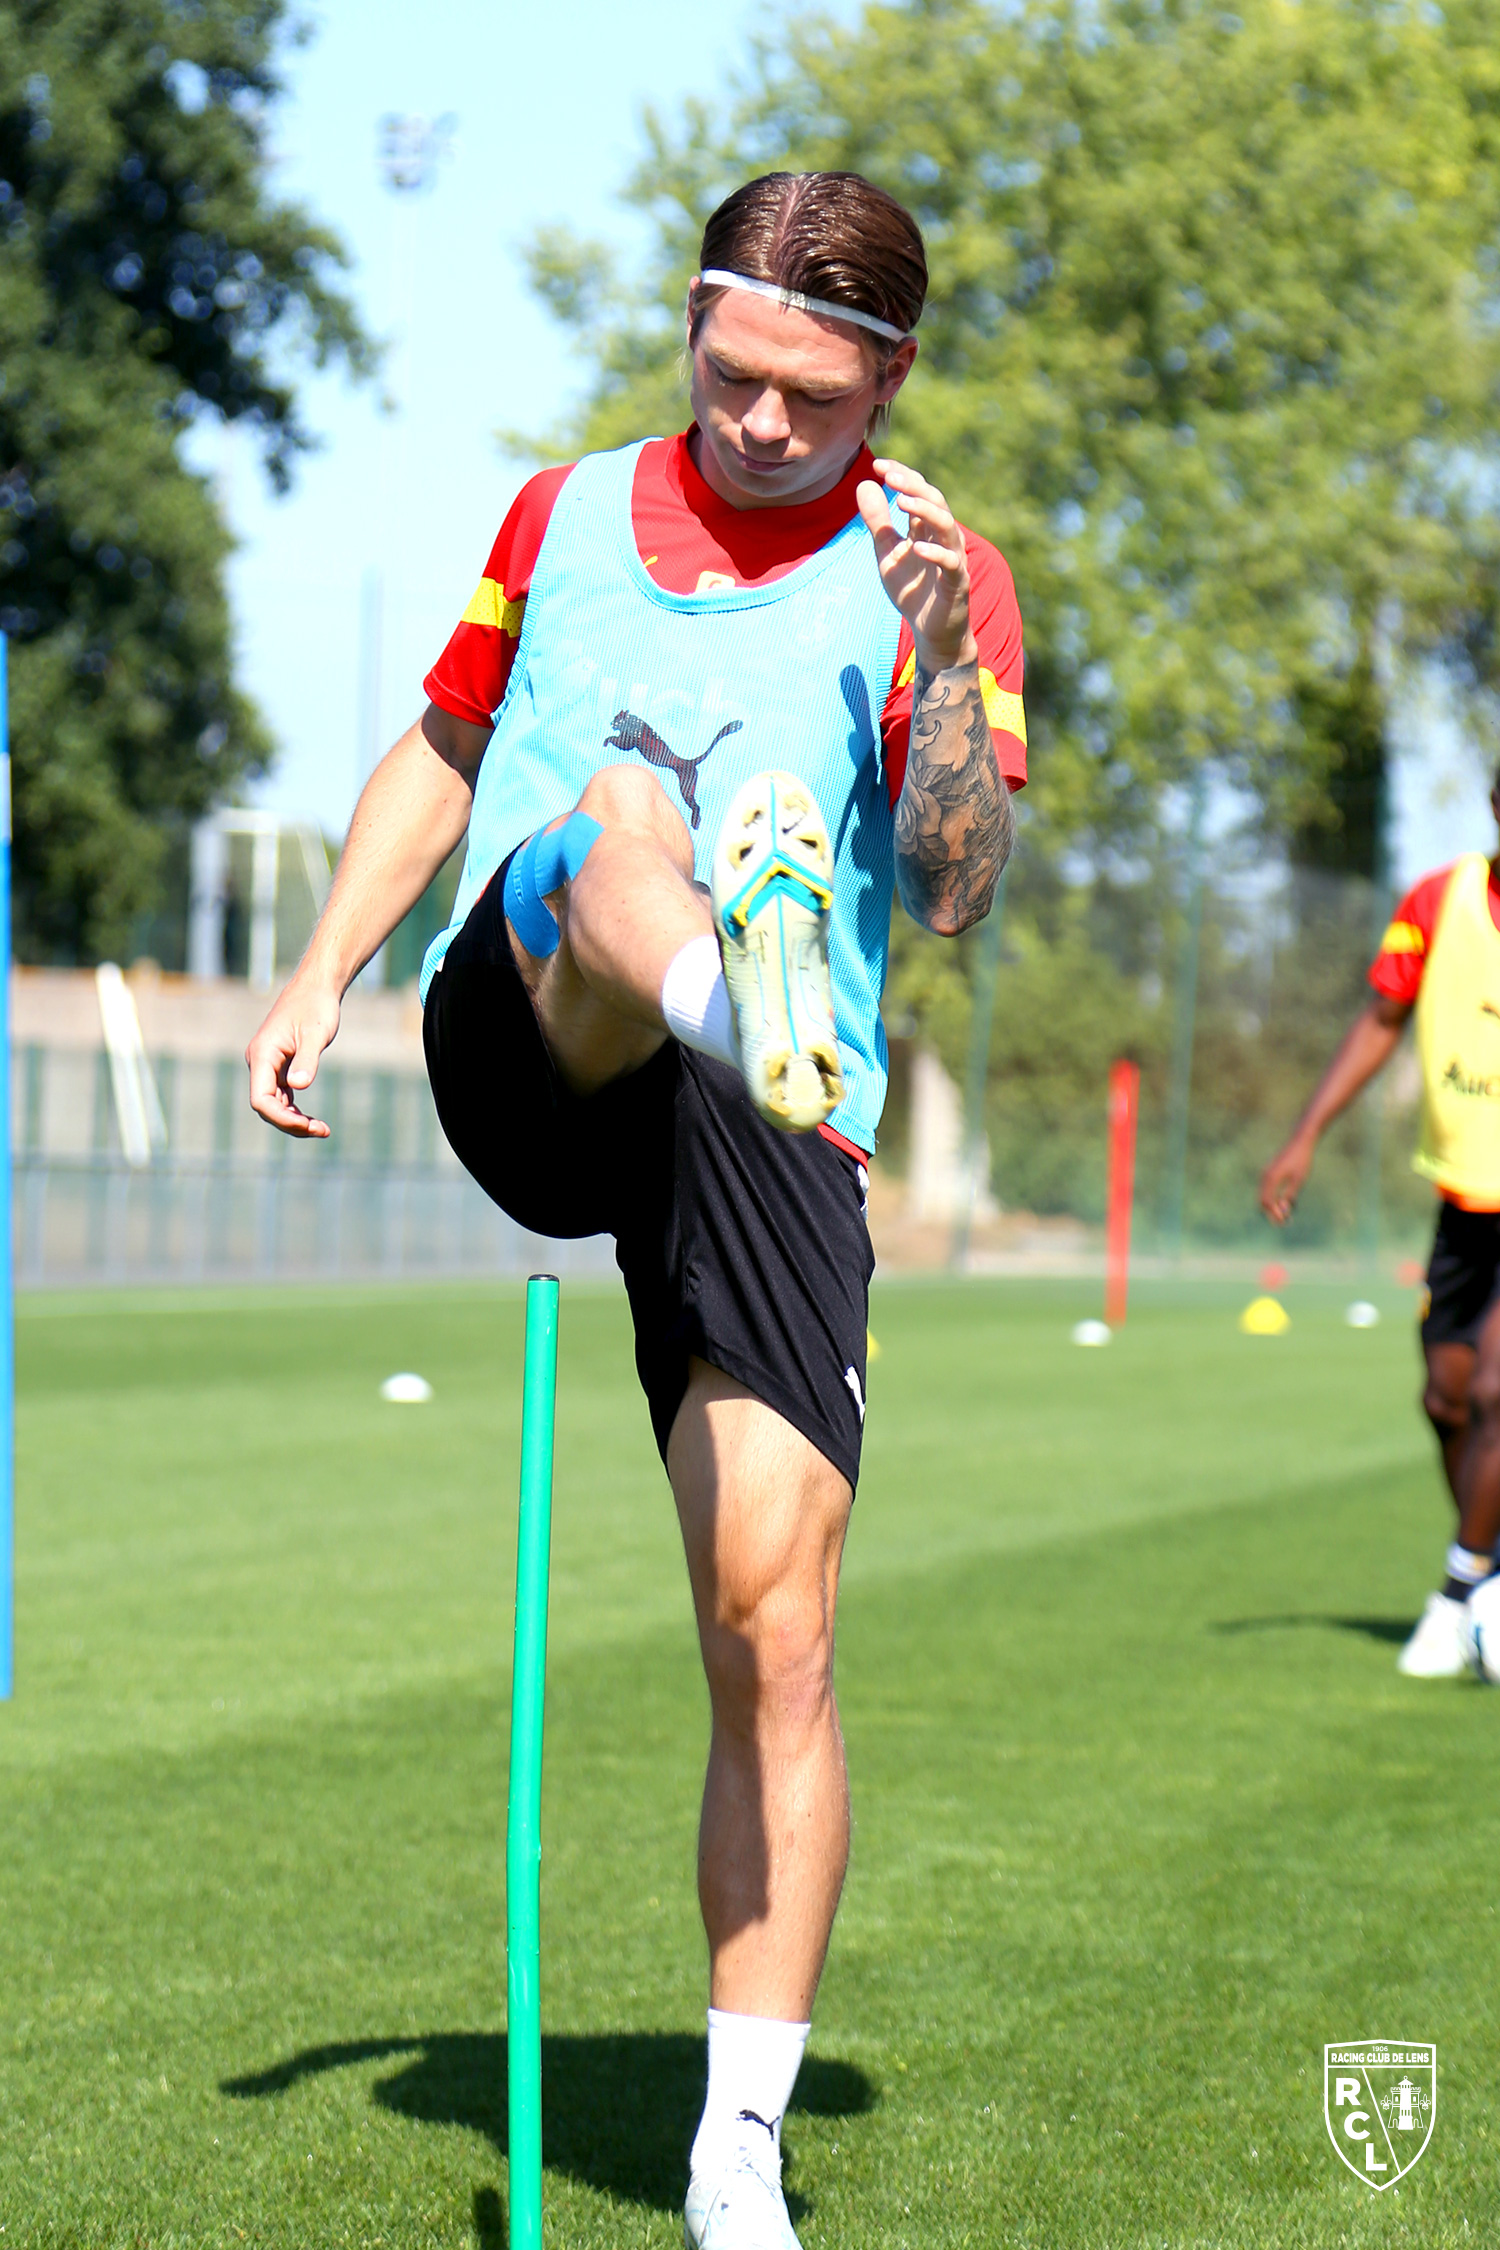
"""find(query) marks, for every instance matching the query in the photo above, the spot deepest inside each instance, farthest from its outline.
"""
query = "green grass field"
(1144, 1814)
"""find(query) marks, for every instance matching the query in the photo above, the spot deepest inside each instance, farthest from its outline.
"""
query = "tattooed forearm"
(954, 820)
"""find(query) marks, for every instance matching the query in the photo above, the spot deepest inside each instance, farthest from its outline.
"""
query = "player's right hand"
(926, 572)
(1282, 1181)
(283, 1058)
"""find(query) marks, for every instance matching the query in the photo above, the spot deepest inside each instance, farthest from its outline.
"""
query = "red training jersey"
(1397, 968)
(692, 542)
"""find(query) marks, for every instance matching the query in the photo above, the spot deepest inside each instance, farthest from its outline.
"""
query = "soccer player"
(1441, 957)
(714, 697)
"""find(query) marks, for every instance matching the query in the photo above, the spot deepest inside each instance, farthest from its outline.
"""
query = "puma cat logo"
(632, 733)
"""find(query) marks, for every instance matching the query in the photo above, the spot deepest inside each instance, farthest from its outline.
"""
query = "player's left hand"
(926, 573)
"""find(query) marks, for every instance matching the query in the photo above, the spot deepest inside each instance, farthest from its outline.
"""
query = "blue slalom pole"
(7, 1284)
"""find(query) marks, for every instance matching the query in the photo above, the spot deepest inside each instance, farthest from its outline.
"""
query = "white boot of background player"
(1441, 1647)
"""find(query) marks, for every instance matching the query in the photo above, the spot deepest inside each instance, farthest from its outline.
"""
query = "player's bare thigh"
(763, 1517)
(1450, 1368)
(630, 907)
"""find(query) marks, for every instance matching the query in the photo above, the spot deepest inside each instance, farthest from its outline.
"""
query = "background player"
(1440, 956)
(656, 628)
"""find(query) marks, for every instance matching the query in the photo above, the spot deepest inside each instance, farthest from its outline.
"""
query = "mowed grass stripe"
(1161, 1993)
(220, 1523)
(1142, 1818)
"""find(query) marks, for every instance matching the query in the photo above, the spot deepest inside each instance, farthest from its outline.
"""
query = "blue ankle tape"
(544, 863)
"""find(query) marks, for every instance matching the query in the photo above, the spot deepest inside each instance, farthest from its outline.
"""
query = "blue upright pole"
(7, 1286)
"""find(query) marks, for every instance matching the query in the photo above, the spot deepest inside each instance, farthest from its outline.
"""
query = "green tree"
(146, 276)
(1211, 353)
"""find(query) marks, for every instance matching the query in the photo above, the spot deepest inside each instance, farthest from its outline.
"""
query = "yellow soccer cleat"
(772, 891)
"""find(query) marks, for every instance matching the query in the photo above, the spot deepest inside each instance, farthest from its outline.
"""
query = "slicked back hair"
(833, 235)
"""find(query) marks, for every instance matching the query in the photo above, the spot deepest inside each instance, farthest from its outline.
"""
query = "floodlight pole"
(7, 1282)
(408, 152)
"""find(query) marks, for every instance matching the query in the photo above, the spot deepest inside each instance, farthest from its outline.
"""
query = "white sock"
(695, 999)
(1470, 1568)
(753, 2063)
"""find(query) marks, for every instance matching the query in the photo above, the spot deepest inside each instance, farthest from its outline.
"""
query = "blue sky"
(547, 102)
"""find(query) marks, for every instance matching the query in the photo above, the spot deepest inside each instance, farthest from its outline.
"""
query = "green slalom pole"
(523, 1834)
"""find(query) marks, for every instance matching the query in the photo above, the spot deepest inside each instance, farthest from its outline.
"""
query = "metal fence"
(86, 1220)
(1230, 983)
(229, 1200)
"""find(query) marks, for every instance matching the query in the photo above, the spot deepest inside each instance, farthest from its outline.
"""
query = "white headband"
(796, 302)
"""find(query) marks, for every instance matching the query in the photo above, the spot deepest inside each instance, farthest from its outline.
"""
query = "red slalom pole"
(1124, 1101)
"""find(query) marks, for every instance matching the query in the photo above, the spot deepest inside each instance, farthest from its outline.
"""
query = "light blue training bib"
(706, 689)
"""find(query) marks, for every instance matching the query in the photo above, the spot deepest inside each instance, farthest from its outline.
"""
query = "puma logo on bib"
(632, 733)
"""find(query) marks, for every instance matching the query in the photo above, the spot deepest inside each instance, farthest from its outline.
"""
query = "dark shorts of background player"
(739, 1245)
(1463, 1275)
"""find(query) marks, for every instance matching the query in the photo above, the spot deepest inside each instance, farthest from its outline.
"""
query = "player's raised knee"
(627, 798)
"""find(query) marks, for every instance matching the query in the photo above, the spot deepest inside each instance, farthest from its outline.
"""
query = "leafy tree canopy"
(146, 275)
(1212, 352)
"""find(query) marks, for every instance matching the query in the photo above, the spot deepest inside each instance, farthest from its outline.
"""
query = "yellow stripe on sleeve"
(1403, 937)
(490, 607)
(1004, 711)
(1001, 708)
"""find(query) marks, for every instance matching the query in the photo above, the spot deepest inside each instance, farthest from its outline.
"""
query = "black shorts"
(739, 1245)
(1463, 1275)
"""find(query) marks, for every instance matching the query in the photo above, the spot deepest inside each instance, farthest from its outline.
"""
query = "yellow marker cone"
(1263, 1316)
(872, 1349)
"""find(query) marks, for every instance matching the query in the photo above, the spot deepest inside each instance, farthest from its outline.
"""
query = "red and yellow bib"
(1458, 1042)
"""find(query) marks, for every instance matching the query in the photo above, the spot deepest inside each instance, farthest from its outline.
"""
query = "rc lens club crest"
(1379, 2103)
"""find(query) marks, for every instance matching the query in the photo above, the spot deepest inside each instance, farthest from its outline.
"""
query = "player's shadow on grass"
(619, 2109)
(1395, 1631)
